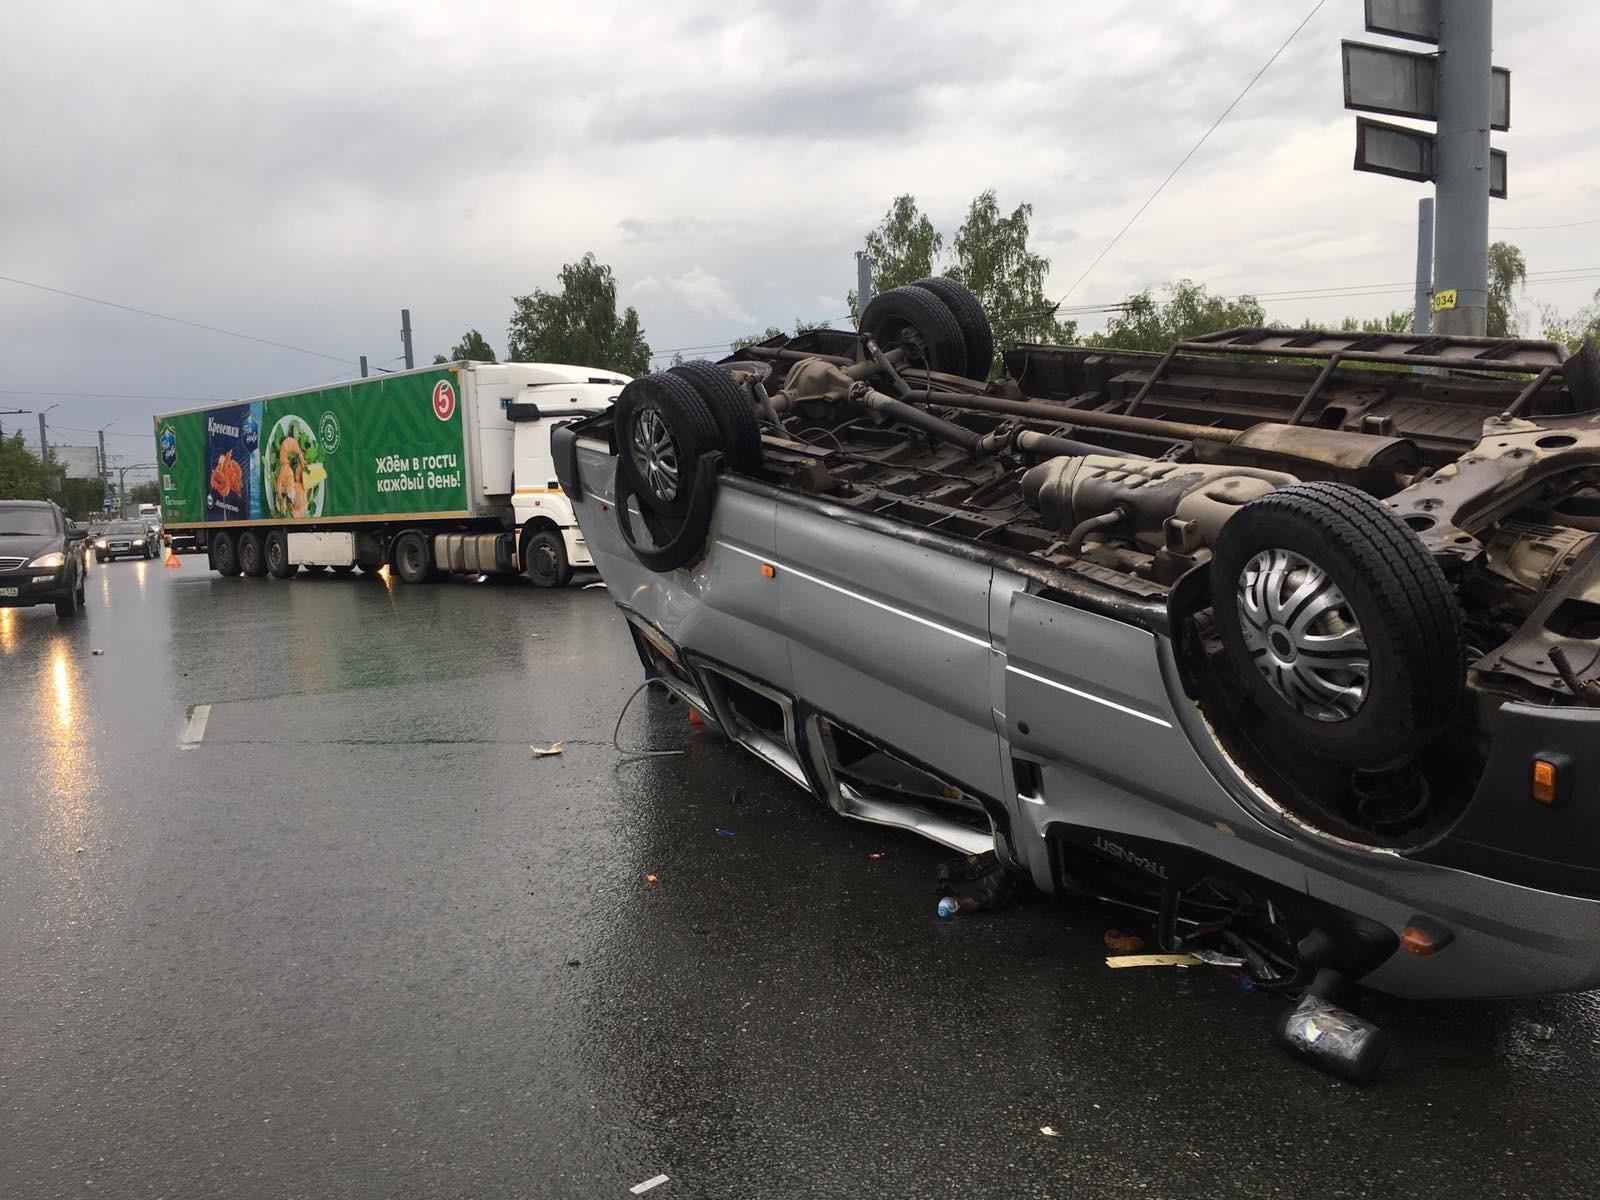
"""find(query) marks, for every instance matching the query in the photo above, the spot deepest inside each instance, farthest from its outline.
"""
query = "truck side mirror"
(522, 410)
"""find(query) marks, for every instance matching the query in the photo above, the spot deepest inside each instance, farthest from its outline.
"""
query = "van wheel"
(225, 555)
(966, 308)
(252, 556)
(412, 561)
(733, 411)
(277, 551)
(916, 321)
(1340, 624)
(663, 427)
(545, 560)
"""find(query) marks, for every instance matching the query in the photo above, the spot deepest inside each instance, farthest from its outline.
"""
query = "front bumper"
(31, 587)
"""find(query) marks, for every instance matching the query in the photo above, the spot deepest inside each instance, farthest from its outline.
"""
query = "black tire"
(976, 333)
(733, 411)
(225, 555)
(413, 560)
(544, 558)
(1393, 592)
(276, 550)
(916, 320)
(71, 606)
(252, 555)
(663, 427)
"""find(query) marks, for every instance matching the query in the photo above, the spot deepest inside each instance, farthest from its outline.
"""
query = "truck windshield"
(26, 520)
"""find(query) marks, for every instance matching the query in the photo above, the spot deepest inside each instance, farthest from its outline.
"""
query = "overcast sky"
(302, 170)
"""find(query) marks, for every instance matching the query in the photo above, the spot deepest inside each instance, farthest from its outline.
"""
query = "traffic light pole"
(1461, 239)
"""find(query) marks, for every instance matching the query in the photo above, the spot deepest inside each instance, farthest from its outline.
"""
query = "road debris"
(727, 833)
(1049, 1132)
(974, 882)
(875, 856)
(640, 1189)
(546, 751)
(1542, 1033)
(97, 653)
(589, 587)
(1123, 943)
(1153, 960)
(649, 878)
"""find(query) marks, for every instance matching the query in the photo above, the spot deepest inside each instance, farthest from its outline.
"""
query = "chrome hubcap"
(655, 454)
(1303, 635)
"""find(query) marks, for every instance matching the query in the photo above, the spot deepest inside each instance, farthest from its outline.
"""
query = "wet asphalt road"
(359, 942)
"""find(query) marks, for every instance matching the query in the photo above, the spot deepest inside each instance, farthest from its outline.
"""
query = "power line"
(1315, 8)
(145, 312)
(116, 396)
(1522, 228)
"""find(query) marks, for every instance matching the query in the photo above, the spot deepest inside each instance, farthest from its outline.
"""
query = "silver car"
(1300, 659)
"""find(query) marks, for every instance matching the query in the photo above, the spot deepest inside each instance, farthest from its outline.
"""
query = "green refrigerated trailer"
(438, 470)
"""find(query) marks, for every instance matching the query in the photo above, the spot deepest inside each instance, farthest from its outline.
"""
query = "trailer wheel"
(1339, 622)
(917, 321)
(976, 333)
(544, 557)
(252, 557)
(277, 554)
(663, 427)
(224, 555)
(733, 411)
(412, 561)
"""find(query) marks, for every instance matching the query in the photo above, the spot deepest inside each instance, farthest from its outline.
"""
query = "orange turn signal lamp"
(1544, 781)
(1423, 936)
(768, 570)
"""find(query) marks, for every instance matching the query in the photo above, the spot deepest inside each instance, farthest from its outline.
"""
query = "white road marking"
(196, 728)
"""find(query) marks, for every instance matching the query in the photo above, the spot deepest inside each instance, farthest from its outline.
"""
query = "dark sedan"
(40, 561)
(126, 539)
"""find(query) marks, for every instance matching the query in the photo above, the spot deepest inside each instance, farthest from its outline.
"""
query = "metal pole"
(363, 366)
(863, 282)
(1462, 157)
(103, 479)
(1421, 319)
(405, 334)
(44, 446)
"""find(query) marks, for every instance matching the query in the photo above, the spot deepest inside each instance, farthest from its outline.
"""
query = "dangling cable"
(617, 728)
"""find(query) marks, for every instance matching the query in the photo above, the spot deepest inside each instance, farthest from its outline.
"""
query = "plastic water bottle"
(949, 906)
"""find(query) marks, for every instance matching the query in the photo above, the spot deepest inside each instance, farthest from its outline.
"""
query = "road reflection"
(8, 630)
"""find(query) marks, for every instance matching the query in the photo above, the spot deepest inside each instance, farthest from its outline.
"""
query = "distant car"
(40, 562)
(125, 539)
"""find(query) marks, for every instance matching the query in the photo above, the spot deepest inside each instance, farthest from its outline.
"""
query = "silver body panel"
(960, 667)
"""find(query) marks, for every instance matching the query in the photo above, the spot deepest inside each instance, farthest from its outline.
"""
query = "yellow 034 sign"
(1444, 299)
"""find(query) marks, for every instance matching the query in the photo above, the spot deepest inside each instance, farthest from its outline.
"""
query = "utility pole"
(10, 412)
(863, 282)
(44, 446)
(1462, 162)
(1423, 309)
(122, 480)
(405, 335)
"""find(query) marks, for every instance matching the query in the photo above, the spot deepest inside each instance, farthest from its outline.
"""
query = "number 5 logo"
(444, 400)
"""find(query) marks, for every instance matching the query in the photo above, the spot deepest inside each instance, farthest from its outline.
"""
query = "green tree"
(1145, 323)
(473, 347)
(1571, 331)
(993, 260)
(22, 475)
(145, 493)
(578, 324)
(903, 249)
(1507, 272)
(1398, 321)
